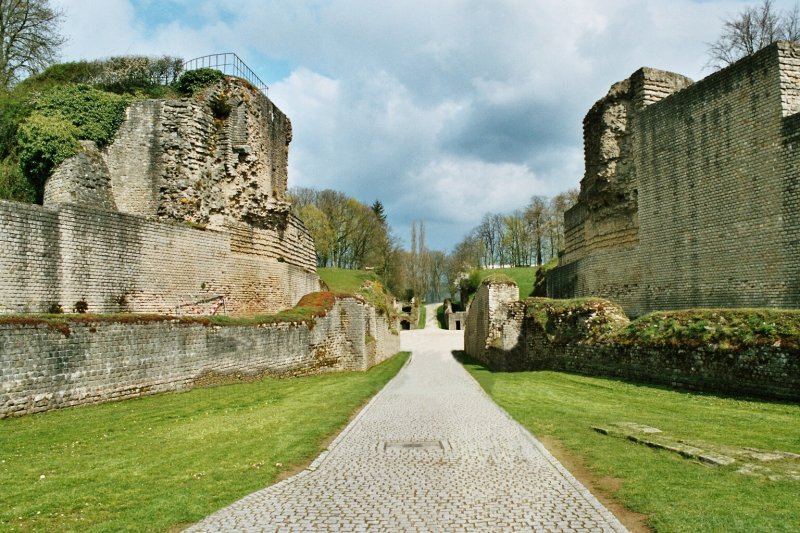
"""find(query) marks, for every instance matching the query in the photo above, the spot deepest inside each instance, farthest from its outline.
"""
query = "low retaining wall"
(43, 367)
(504, 334)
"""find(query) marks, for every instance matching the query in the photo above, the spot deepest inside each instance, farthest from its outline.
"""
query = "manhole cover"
(413, 445)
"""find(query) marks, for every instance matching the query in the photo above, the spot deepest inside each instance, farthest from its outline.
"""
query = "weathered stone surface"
(82, 180)
(118, 262)
(690, 197)
(501, 335)
(177, 170)
(43, 368)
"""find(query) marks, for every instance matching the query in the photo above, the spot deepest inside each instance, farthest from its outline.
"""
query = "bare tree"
(29, 38)
(751, 30)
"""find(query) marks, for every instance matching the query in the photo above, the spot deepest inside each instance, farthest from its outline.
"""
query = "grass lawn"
(423, 312)
(169, 460)
(675, 493)
(523, 276)
(344, 280)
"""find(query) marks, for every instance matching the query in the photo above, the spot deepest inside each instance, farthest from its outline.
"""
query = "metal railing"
(229, 64)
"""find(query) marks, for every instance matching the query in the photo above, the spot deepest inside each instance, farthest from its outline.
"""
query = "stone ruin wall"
(501, 336)
(125, 263)
(185, 212)
(690, 199)
(43, 368)
(492, 321)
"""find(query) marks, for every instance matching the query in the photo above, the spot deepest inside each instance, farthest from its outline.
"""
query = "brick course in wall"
(501, 336)
(42, 368)
(118, 262)
(695, 202)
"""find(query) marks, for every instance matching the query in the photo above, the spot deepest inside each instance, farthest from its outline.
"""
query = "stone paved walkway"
(431, 452)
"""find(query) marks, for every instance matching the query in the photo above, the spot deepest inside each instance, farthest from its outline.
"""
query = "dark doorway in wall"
(406, 308)
(405, 324)
(458, 325)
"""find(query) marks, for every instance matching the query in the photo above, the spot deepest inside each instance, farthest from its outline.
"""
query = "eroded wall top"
(217, 158)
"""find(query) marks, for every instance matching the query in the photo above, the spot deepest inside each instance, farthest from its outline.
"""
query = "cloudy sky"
(442, 109)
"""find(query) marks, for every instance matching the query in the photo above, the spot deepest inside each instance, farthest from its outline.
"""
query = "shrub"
(45, 141)
(576, 320)
(193, 80)
(14, 109)
(121, 75)
(62, 74)
(81, 306)
(138, 74)
(13, 183)
(97, 114)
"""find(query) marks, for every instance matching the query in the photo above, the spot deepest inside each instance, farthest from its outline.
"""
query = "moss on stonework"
(311, 306)
(726, 329)
(596, 319)
(496, 279)
(575, 320)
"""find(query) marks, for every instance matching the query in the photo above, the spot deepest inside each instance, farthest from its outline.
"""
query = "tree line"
(525, 237)
(350, 234)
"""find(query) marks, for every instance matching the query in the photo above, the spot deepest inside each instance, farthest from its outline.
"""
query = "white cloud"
(440, 109)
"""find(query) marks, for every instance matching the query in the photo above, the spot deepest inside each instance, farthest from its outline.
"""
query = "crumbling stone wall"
(217, 158)
(494, 320)
(690, 192)
(121, 228)
(514, 338)
(81, 180)
(42, 368)
(124, 263)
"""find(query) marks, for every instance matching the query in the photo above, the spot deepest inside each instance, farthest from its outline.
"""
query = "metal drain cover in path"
(413, 445)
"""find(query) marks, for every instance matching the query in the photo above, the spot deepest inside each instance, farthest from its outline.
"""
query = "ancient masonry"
(504, 334)
(691, 192)
(43, 367)
(185, 213)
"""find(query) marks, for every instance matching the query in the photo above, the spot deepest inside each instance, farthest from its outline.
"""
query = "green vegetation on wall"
(360, 283)
(45, 115)
(44, 142)
(727, 329)
(60, 117)
(97, 114)
(596, 319)
(194, 80)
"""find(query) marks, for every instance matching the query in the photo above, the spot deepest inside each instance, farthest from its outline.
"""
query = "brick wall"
(42, 368)
(696, 206)
(505, 337)
(119, 262)
(492, 320)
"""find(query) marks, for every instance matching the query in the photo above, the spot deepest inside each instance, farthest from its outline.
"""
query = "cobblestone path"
(431, 452)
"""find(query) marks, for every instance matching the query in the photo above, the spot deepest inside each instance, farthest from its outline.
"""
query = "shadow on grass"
(484, 375)
(477, 370)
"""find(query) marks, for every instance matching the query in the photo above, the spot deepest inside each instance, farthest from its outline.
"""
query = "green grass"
(345, 280)
(423, 312)
(523, 276)
(366, 285)
(677, 494)
(158, 462)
